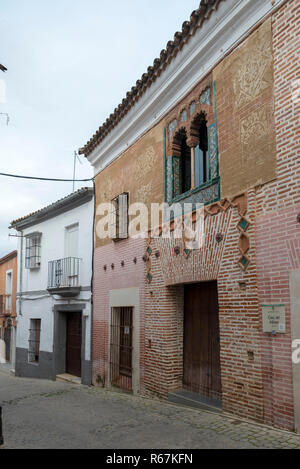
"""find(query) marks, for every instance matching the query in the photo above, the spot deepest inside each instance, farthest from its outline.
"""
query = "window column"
(193, 178)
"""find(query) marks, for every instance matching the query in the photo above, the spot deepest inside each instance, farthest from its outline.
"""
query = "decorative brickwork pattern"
(200, 258)
(238, 312)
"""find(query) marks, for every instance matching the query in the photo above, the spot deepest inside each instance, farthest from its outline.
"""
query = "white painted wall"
(53, 246)
(36, 302)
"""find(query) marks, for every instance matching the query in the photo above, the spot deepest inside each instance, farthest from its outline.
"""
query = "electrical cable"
(45, 179)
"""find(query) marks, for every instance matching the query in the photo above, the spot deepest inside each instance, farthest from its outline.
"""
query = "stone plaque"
(274, 319)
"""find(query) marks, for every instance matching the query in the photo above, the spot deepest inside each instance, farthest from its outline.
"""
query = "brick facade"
(109, 275)
(256, 216)
(278, 205)
(9, 263)
(8, 304)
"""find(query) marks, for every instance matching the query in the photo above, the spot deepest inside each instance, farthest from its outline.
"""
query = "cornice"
(219, 34)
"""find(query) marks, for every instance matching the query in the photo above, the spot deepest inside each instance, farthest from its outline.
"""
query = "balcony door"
(8, 291)
(71, 241)
(71, 254)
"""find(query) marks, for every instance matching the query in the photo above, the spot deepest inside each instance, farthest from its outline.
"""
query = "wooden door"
(202, 340)
(7, 340)
(73, 352)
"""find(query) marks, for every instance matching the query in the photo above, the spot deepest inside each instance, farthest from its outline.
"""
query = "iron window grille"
(119, 217)
(34, 341)
(33, 251)
(121, 347)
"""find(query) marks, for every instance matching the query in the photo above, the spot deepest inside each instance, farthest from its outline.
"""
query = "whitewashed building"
(54, 289)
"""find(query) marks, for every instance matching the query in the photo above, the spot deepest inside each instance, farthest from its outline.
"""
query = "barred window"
(33, 251)
(119, 217)
(34, 340)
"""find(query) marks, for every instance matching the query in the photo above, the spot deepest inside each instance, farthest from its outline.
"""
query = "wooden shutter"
(123, 216)
(113, 218)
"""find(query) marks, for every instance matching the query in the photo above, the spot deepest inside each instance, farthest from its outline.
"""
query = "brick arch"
(178, 138)
(195, 125)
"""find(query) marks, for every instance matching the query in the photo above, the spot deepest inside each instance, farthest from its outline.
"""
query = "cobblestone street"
(43, 414)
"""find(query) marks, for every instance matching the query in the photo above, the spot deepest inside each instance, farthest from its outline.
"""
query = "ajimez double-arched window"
(201, 157)
(185, 166)
(194, 160)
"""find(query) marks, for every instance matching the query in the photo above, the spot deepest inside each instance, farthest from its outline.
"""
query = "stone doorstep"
(66, 378)
(191, 399)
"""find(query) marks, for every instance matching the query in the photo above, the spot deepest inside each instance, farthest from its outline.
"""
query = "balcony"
(5, 305)
(63, 277)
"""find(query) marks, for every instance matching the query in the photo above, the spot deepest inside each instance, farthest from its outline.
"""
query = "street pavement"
(46, 414)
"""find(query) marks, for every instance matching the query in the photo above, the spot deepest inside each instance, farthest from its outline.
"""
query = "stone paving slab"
(46, 414)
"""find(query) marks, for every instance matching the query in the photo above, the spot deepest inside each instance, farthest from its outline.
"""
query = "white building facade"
(54, 289)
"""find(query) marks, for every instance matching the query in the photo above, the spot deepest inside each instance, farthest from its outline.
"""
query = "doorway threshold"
(66, 378)
(192, 399)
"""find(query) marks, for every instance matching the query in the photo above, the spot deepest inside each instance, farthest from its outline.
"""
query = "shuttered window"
(119, 217)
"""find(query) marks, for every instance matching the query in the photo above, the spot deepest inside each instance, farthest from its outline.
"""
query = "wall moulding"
(211, 43)
(238, 202)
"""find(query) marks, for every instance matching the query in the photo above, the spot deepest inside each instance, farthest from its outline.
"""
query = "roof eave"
(159, 65)
(64, 205)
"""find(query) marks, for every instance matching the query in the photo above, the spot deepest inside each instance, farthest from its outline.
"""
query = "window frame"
(34, 341)
(119, 227)
(33, 250)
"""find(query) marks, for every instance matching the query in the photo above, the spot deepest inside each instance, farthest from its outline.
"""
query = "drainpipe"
(20, 268)
(21, 275)
(92, 281)
(1, 433)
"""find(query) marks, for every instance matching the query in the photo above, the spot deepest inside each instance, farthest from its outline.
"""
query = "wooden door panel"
(201, 340)
(73, 353)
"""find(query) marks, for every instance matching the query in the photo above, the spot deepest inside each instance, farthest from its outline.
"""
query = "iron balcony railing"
(5, 305)
(64, 273)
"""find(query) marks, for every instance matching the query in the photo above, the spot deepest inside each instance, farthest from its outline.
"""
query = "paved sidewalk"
(45, 414)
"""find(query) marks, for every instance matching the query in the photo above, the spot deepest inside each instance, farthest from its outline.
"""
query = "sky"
(70, 63)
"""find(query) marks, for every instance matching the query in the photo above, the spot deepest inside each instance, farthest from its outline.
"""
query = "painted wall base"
(43, 370)
(2, 351)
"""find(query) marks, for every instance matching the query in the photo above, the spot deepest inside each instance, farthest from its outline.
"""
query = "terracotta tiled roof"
(56, 204)
(189, 28)
(8, 257)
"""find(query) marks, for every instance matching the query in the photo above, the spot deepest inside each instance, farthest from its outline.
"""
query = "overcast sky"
(70, 63)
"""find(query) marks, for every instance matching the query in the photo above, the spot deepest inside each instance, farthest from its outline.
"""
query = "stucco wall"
(139, 171)
(10, 265)
(245, 104)
(33, 299)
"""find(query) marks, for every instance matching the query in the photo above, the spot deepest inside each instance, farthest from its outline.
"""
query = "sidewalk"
(47, 414)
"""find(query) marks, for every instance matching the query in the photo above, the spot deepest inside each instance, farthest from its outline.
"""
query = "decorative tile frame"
(183, 123)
